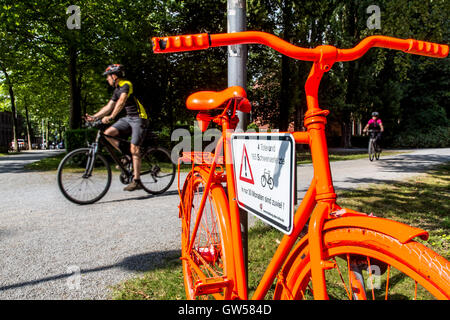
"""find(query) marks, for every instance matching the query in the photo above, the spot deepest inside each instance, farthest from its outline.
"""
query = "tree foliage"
(56, 71)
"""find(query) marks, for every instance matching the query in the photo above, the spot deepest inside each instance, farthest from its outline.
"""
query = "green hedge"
(356, 141)
(437, 137)
(360, 141)
(79, 138)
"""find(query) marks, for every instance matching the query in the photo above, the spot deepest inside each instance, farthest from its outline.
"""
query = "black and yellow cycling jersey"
(133, 106)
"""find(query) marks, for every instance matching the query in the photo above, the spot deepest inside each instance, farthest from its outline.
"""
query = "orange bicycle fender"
(402, 232)
(394, 229)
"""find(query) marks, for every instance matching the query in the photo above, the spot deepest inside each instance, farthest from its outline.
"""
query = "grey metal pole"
(237, 54)
(237, 76)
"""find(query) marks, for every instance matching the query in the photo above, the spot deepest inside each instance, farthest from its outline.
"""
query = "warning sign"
(264, 175)
(246, 175)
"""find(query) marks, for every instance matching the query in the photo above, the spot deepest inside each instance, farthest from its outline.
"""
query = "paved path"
(356, 173)
(16, 162)
(45, 240)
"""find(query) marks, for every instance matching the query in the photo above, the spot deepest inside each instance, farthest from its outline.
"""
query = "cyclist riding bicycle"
(134, 123)
(375, 125)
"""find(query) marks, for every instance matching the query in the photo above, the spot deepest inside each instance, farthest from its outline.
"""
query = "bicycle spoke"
(309, 286)
(342, 278)
(205, 260)
(415, 290)
(73, 183)
(370, 277)
(158, 171)
(387, 282)
(349, 278)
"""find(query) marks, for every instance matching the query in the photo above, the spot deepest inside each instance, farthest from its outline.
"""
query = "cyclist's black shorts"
(132, 125)
(375, 134)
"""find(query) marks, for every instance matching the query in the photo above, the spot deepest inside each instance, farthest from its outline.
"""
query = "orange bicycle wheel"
(392, 270)
(205, 265)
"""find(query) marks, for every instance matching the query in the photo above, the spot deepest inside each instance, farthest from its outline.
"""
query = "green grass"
(8, 154)
(163, 283)
(305, 157)
(46, 164)
(422, 202)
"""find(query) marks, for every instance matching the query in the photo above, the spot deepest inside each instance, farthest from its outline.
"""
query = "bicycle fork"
(318, 265)
(90, 162)
(93, 148)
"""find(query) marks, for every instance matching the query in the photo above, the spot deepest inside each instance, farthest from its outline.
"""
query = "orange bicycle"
(340, 243)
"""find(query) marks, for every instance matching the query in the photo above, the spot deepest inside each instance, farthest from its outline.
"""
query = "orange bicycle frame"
(319, 202)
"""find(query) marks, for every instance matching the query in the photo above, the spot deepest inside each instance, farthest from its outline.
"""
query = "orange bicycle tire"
(419, 263)
(201, 263)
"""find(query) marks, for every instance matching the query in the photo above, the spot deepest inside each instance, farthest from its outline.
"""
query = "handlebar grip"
(429, 49)
(94, 124)
(181, 43)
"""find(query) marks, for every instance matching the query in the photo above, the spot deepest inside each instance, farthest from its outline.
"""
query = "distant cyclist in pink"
(375, 125)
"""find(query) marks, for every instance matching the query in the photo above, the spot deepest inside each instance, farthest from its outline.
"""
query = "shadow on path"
(144, 197)
(137, 263)
(411, 162)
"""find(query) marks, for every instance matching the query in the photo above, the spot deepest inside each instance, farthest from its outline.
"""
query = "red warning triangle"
(246, 175)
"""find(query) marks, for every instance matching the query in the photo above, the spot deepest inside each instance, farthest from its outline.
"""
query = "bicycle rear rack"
(199, 157)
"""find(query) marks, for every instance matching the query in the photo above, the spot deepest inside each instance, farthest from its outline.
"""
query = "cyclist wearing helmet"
(376, 125)
(134, 122)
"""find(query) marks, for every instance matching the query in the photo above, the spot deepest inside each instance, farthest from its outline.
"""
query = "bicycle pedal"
(211, 285)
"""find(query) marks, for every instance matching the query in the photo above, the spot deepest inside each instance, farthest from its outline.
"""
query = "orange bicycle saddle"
(208, 100)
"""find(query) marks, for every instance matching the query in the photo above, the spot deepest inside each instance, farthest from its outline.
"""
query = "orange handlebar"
(181, 43)
(409, 46)
(204, 41)
(429, 49)
(284, 47)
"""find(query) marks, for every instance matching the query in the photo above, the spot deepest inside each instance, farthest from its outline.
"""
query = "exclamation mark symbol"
(245, 165)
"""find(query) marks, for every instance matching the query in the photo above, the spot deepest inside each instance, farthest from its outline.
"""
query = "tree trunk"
(60, 133)
(80, 79)
(28, 127)
(283, 121)
(299, 115)
(75, 99)
(47, 133)
(349, 99)
(353, 69)
(285, 100)
(13, 107)
(346, 139)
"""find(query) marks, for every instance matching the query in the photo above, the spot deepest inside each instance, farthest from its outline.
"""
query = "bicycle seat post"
(315, 120)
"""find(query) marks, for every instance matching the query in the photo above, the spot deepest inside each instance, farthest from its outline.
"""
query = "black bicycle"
(374, 147)
(84, 175)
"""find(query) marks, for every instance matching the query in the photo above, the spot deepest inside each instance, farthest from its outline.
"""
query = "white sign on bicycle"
(264, 175)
